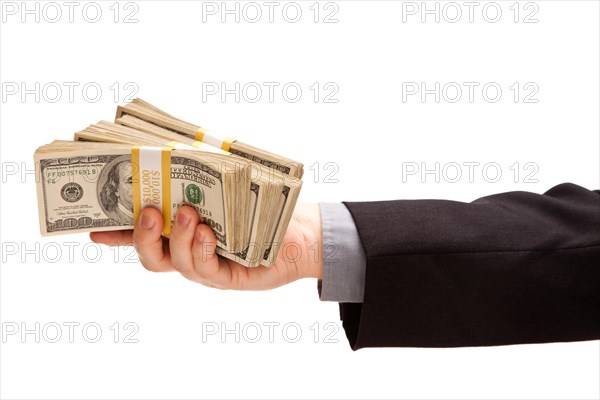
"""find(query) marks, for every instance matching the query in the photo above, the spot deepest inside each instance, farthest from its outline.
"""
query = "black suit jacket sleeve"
(510, 268)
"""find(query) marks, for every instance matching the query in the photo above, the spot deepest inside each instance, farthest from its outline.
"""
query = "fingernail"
(199, 236)
(147, 222)
(183, 220)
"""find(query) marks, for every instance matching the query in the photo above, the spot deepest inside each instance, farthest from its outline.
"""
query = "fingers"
(191, 250)
(214, 271)
(180, 242)
(148, 241)
(113, 238)
(211, 271)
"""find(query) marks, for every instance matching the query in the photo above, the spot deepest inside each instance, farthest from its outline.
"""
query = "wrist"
(308, 216)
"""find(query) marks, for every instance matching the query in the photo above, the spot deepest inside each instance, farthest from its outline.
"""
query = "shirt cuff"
(344, 260)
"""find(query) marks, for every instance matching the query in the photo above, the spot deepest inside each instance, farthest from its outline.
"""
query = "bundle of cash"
(111, 171)
(145, 111)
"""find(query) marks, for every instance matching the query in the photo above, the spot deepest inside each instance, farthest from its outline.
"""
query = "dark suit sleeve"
(509, 268)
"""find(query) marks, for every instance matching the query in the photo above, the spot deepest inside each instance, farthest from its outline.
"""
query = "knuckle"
(179, 266)
(138, 238)
(147, 266)
(189, 275)
(201, 272)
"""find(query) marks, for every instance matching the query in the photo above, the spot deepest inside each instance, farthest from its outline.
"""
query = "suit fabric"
(509, 268)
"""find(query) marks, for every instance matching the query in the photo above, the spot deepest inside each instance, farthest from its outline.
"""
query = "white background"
(167, 58)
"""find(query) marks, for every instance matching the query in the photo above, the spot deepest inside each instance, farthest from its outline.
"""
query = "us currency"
(142, 116)
(90, 184)
(92, 189)
(272, 194)
(143, 110)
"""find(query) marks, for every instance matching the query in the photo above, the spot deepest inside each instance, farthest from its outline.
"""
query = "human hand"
(190, 250)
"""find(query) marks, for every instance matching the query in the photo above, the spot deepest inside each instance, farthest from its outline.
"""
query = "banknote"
(94, 190)
(104, 178)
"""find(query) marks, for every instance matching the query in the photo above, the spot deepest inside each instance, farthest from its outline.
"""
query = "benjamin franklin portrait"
(116, 192)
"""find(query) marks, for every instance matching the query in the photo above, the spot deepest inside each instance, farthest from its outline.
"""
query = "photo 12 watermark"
(54, 12)
(469, 172)
(29, 172)
(69, 332)
(289, 332)
(54, 252)
(470, 92)
(324, 172)
(252, 12)
(290, 252)
(452, 12)
(270, 92)
(21, 172)
(65, 252)
(68, 92)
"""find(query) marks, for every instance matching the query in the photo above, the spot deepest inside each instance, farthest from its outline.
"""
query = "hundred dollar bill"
(97, 187)
(149, 158)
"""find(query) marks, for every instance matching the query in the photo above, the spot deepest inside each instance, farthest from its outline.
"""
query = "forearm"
(510, 268)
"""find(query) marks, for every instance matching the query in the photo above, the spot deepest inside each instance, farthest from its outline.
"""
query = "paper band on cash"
(152, 182)
(211, 139)
(197, 146)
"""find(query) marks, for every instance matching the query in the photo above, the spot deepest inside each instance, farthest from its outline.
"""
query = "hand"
(191, 250)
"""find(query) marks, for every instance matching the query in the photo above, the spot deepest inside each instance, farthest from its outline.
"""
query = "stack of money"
(144, 111)
(111, 171)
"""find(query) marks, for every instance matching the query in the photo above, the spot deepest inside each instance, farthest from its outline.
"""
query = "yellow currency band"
(166, 186)
(227, 143)
(200, 134)
(165, 180)
(135, 180)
